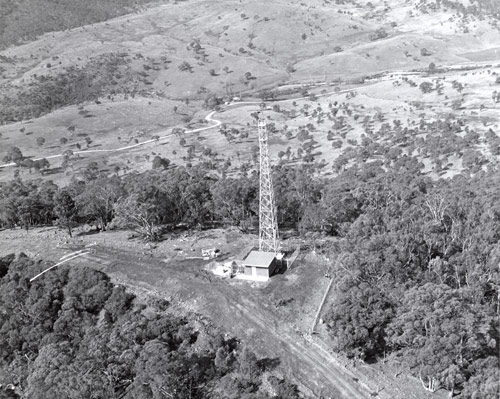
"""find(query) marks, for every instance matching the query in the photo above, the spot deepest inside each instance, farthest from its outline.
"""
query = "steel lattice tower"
(268, 224)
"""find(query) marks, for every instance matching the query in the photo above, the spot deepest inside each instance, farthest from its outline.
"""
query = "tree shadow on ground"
(89, 232)
(268, 364)
(52, 171)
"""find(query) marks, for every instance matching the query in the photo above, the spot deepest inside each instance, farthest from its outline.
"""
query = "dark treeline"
(155, 201)
(25, 20)
(415, 259)
(74, 334)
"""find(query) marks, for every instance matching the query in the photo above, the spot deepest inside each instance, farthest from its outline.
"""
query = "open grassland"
(90, 127)
(219, 42)
(440, 117)
(134, 78)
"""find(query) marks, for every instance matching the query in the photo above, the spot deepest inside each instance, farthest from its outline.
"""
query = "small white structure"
(210, 253)
(259, 265)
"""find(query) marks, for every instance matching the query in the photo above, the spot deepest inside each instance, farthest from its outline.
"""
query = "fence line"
(321, 305)
(291, 259)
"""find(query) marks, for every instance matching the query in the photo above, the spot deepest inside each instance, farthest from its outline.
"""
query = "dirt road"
(250, 312)
(316, 368)
(239, 309)
(162, 135)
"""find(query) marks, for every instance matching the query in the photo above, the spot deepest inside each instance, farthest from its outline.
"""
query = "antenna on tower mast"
(268, 224)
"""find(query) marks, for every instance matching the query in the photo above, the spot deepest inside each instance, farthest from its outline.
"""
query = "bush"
(426, 87)
(424, 52)
(73, 349)
(185, 66)
(379, 34)
(72, 86)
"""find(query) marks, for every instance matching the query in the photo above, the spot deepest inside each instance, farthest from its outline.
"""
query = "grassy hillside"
(187, 48)
(24, 20)
(166, 60)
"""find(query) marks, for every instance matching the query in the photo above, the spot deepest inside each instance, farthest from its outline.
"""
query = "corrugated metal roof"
(260, 259)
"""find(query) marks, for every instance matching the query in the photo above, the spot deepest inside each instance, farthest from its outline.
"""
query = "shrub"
(379, 34)
(185, 66)
(424, 52)
(426, 87)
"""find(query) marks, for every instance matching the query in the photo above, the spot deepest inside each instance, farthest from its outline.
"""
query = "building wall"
(272, 268)
(262, 272)
(248, 270)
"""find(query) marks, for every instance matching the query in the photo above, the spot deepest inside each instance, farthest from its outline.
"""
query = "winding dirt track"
(389, 75)
(162, 135)
(208, 118)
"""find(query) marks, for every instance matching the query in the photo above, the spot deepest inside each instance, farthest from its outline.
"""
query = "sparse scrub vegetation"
(379, 34)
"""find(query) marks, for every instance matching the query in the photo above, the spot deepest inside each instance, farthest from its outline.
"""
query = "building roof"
(259, 259)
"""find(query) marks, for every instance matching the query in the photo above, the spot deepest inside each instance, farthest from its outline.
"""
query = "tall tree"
(160, 163)
(357, 320)
(96, 202)
(65, 209)
(236, 201)
(14, 154)
(132, 212)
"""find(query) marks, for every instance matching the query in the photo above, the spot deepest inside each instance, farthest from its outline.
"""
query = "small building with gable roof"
(260, 266)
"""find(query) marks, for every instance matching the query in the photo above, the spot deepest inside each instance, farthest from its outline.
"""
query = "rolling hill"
(166, 60)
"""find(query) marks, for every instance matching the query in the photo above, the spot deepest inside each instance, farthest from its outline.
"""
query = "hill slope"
(175, 55)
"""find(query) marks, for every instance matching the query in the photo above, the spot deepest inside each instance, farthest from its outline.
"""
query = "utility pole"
(268, 224)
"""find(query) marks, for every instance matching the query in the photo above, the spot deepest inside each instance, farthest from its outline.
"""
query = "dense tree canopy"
(73, 334)
(418, 278)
